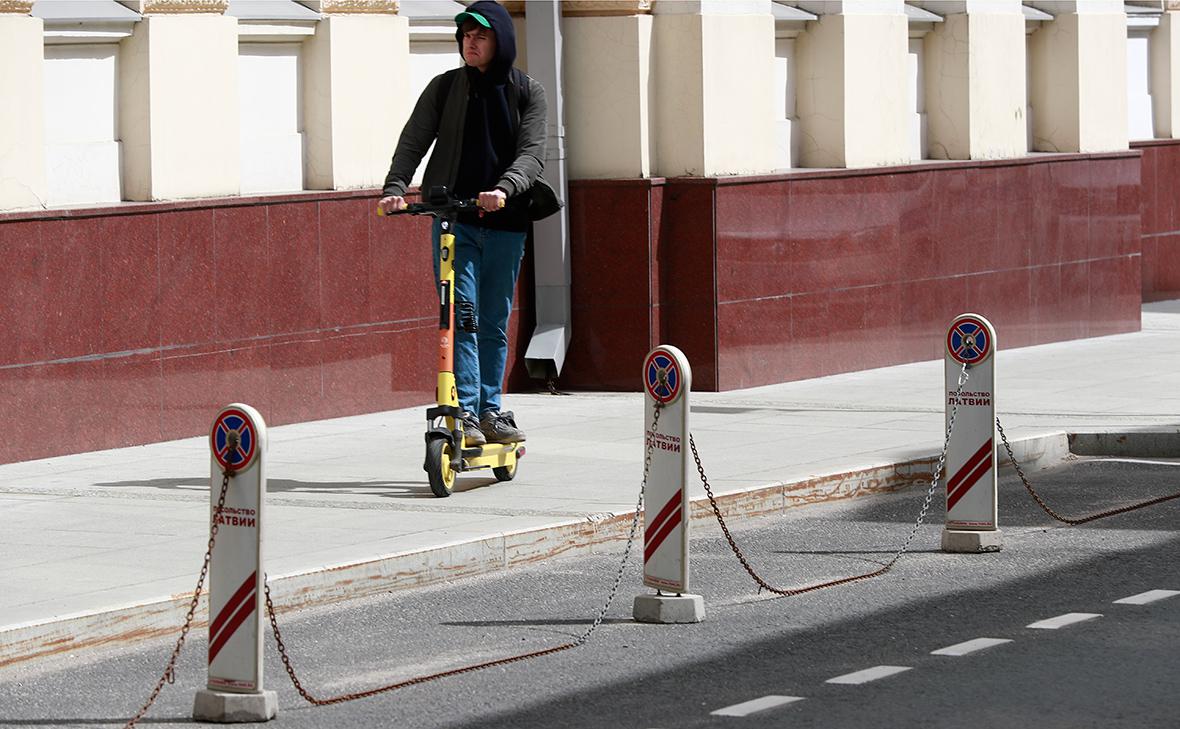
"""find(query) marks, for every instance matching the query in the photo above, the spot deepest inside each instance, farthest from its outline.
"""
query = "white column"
(608, 74)
(22, 122)
(975, 80)
(356, 86)
(1165, 74)
(852, 93)
(179, 118)
(714, 87)
(1079, 77)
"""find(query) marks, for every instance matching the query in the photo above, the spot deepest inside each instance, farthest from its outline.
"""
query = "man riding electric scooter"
(487, 121)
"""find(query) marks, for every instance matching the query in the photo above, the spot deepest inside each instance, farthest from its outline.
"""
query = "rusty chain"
(763, 585)
(1067, 520)
(581, 640)
(169, 675)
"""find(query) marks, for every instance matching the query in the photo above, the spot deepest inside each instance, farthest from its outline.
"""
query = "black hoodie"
(489, 129)
(514, 149)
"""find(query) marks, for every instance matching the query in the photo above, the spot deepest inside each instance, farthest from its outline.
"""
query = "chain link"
(580, 641)
(169, 675)
(1067, 520)
(650, 437)
(763, 585)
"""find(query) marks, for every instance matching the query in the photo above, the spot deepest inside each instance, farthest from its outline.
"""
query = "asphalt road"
(1121, 669)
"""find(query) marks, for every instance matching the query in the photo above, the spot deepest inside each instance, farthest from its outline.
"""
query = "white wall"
(271, 117)
(916, 60)
(787, 129)
(82, 162)
(1139, 103)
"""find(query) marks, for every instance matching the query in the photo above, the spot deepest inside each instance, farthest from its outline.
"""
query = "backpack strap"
(518, 93)
(444, 90)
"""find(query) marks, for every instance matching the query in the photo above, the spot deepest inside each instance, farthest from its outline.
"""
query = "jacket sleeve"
(417, 136)
(530, 144)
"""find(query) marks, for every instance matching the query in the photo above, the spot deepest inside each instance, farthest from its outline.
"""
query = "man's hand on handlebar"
(391, 204)
(492, 200)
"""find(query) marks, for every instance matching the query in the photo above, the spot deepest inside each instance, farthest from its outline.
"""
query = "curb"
(161, 617)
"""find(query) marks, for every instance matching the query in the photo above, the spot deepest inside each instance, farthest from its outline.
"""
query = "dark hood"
(505, 32)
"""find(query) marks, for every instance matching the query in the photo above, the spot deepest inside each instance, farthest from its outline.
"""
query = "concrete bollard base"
(669, 609)
(972, 542)
(223, 707)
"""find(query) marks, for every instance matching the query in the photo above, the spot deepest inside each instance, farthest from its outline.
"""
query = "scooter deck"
(492, 455)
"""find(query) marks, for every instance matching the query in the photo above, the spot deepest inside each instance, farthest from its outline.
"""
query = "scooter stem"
(445, 393)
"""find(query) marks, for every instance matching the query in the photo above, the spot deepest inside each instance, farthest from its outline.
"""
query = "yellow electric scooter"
(446, 453)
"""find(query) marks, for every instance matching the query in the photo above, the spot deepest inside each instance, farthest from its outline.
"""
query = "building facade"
(782, 189)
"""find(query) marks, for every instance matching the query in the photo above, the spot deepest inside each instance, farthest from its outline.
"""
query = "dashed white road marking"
(749, 707)
(1145, 597)
(970, 646)
(869, 674)
(1063, 620)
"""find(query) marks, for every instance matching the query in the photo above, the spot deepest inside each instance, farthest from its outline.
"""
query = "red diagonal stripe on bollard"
(650, 532)
(229, 608)
(232, 626)
(659, 536)
(968, 475)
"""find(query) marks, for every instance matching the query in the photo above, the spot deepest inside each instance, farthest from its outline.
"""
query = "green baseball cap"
(461, 17)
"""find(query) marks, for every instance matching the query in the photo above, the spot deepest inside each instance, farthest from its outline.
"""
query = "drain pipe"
(551, 241)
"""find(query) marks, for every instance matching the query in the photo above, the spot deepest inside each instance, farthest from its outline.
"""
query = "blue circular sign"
(233, 452)
(662, 377)
(968, 341)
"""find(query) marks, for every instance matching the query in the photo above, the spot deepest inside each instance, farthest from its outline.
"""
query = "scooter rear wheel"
(438, 467)
(504, 473)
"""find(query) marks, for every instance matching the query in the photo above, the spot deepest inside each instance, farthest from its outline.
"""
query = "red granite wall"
(779, 278)
(137, 323)
(1161, 219)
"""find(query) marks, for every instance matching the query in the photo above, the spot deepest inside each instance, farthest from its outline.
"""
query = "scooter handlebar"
(435, 209)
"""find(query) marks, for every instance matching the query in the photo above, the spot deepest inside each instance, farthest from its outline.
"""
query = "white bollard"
(234, 691)
(970, 473)
(667, 379)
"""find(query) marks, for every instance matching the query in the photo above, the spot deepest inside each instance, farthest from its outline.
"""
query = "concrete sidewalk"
(106, 547)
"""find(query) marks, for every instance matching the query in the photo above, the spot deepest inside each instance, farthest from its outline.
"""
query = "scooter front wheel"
(438, 467)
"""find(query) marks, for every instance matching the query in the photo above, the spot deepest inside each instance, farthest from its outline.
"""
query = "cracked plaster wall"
(22, 125)
(975, 87)
(852, 91)
(179, 117)
(356, 81)
(1079, 83)
(711, 119)
(609, 85)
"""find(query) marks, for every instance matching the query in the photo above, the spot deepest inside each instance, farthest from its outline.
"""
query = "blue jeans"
(487, 263)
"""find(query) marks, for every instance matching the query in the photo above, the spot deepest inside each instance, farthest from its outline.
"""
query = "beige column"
(22, 123)
(607, 56)
(1165, 73)
(713, 90)
(356, 89)
(1079, 77)
(178, 110)
(975, 80)
(851, 98)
